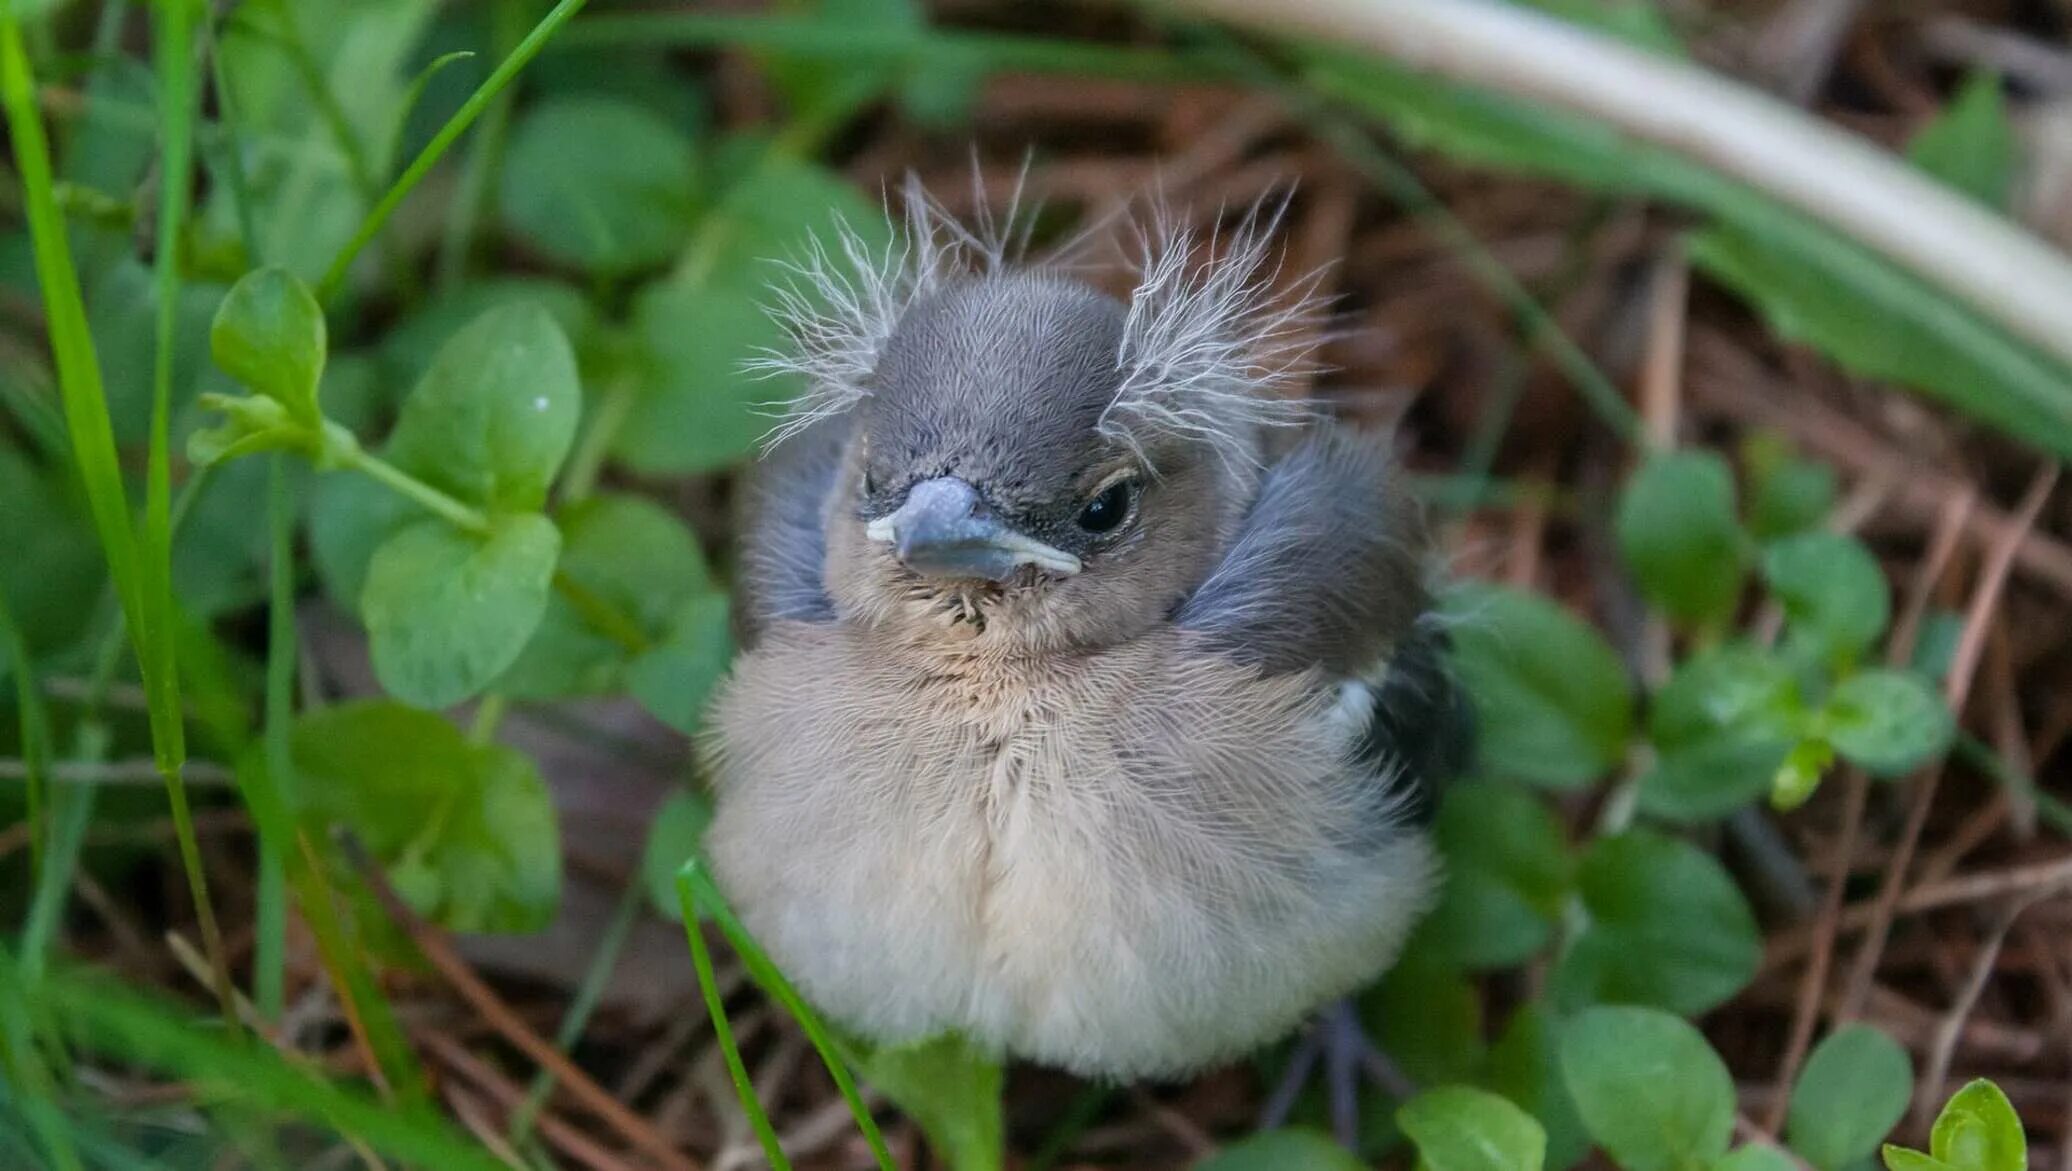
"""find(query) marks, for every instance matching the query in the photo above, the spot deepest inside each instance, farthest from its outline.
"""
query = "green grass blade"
(455, 126)
(698, 892)
(269, 957)
(173, 26)
(71, 808)
(115, 1020)
(78, 368)
(708, 985)
(28, 1075)
(35, 731)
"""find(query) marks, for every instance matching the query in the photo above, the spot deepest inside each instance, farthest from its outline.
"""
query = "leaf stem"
(527, 49)
(461, 515)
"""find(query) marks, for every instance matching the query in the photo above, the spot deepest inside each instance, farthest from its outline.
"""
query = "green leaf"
(493, 417)
(349, 517)
(597, 183)
(1721, 727)
(952, 1091)
(1554, 703)
(1638, 21)
(675, 678)
(269, 335)
(698, 410)
(1971, 144)
(1800, 774)
(409, 348)
(447, 611)
(1978, 1130)
(1834, 595)
(1666, 928)
(627, 555)
(1456, 1128)
(674, 839)
(1428, 1018)
(1787, 495)
(1650, 1088)
(1525, 1066)
(1853, 1091)
(466, 831)
(1888, 722)
(1508, 872)
(1902, 1159)
(54, 564)
(1677, 531)
(1757, 1157)
(1282, 1150)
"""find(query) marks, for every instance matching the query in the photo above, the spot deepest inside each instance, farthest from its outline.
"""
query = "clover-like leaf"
(1667, 927)
(466, 831)
(951, 1089)
(1649, 1088)
(1888, 722)
(1757, 1157)
(1458, 1128)
(1554, 703)
(269, 334)
(673, 679)
(1721, 727)
(447, 610)
(1978, 1130)
(1972, 144)
(1678, 533)
(493, 416)
(627, 567)
(674, 838)
(1525, 1066)
(1787, 495)
(599, 183)
(1508, 871)
(1834, 595)
(1853, 1091)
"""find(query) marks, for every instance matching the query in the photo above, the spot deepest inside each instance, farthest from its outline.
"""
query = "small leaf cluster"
(1648, 1090)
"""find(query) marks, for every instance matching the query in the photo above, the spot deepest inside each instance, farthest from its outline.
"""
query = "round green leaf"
(1787, 494)
(349, 517)
(952, 1089)
(677, 833)
(698, 410)
(1666, 928)
(1721, 727)
(1757, 1157)
(493, 417)
(1678, 534)
(447, 611)
(1834, 595)
(597, 183)
(673, 680)
(1853, 1091)
(1554, 703)
(628, 556)
(1978, 1130)
(269, 335)
(1428, 1018)
(1456, 1128)
(1525, 1066)
(1282, 1150)
(467, 831)
(1649, 1088)
(1888, 722)
(1508, 871)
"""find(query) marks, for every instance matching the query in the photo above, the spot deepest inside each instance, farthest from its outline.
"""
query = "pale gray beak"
(945, 529)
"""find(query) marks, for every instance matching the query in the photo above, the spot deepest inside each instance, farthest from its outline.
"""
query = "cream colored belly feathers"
(1163, 881)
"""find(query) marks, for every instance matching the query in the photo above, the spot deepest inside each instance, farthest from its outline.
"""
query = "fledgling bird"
(1089, 686)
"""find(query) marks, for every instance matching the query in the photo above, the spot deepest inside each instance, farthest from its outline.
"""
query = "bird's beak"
(945, 529)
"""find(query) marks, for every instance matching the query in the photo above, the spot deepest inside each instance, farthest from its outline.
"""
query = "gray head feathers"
(1209, 350)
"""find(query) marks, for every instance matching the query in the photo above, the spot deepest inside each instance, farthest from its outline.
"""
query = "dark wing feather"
(1423, 722)
(783, 532)
(1327, 569)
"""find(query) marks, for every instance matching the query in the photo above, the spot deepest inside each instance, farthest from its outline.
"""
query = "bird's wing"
(1327, 568)
(783, 532)
(1327, 571)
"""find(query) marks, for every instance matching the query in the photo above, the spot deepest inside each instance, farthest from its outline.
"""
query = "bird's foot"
(1337, 1040)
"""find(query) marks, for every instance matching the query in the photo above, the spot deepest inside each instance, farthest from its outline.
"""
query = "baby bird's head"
(1031, 465)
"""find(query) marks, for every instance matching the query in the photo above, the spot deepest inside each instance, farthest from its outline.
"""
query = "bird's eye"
(1106, 511)
(870, 483)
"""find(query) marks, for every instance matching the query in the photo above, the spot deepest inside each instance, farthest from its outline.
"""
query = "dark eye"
(1108, 510)
(870, 483)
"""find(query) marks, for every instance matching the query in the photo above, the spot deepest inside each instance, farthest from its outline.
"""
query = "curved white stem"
(1835, 176)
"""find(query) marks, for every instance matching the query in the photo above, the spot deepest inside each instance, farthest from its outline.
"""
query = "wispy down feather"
(1212, 342)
